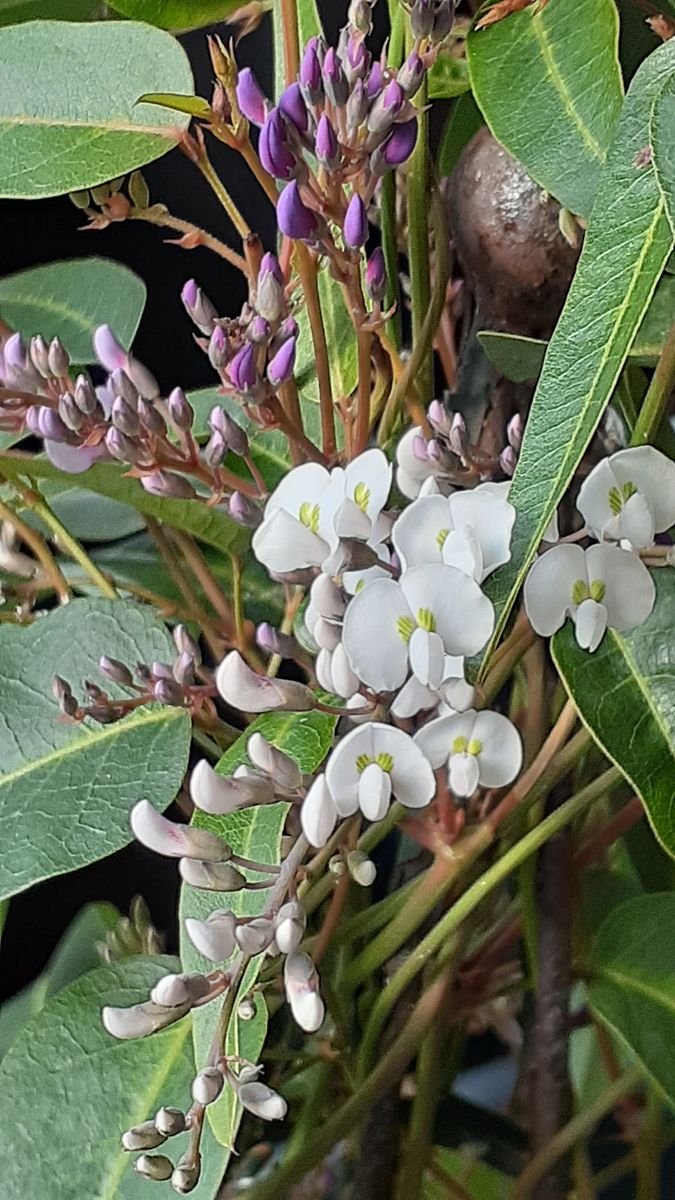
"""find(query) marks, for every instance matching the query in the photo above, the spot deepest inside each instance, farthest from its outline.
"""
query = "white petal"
(282, 544)
(427, 658)
(491, 517)
(327, 598)
(463, 774)
(629, 588)
(326, 634)
(214, 938)
(345, 682)
(461, 549)
(262, 1101)
(374, 792)
(590, 622)
(318, 814)
(352, 522)
(324, 673)
(459, 694)
(412, 779)
(548, 587)
(309, 1011)
(419, 531)
(435, 739)
(370, 475)
(342, 774)
(501, 756)
(255, 936)
(653, 474)
(219, 795)
(413, 698)
(302, 485)
(290, 926)
(377, 652)
(243, 688)
(463, 615)
(408, 484)
(634, 524)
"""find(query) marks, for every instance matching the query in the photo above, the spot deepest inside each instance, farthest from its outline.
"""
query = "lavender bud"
(259, 330)
(310, 74)
(168, 485)
(508, 460)
(244, 511)
(355, 229)
(168, 692)
(39, 353)
(155, 1167)
(184, 670)
(14, 352)
(151, 419)
(160, 670)
(180, 410)
(69, 412)
(435, 450)
(199, 307)
(292, 105)
(396, 149)
(85, 396)
(242, 369)
(142, 379)
(276, 155)
(51, 426)
(355, 59)
(376, 276)
(211, 877)
(142, 1137)
(121, 447)
(270, 298)
(439, 417)
(250, 97)
(422, 18)
(458, 437)
(109, 352)
(233, 435)
(218, 351)
(59, 359)
(115, 670)
(273, 641)
(124, 418)
(411, 74)
(357, 106)
(514, 432)
(386, 108)
(33, 420)
(122, 386)
(280, 367)
(215, 451)
(186, 644)
(207, 1085)
(326, 144)
(294, 218)
(375, 81)
(169, 1121)
(334, 79)
(186, 1176)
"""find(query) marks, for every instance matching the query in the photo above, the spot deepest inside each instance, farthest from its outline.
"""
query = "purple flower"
(375, 81)
(276, 155)
(326, 143)
(250, 97)
(74, 460)
(334, 79)
(310, 73)
(293, 216)
(376, 275)
(109, 352)
(293, 107)
(355, 230)
(242, 369)
(396, 149)
(280, 368)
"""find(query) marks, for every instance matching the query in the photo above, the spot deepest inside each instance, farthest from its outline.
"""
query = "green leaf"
(87, 516)
(75, 953)
(69, 299)
(625, 694)
(448, 77)
(656, 325)
(516, 357)
(464, 121)
(625, 249)
(68, 112)
(66, 788)
(254, 833)
(68, 1083)
(632, 985)
(211, 525)
(13, 12)
(177, 14)
(341, 342)
(196, 106)
(309, 25)
(661, 141)
(478, 1180)
(550, 96)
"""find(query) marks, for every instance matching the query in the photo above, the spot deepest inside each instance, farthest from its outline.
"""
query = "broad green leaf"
(87, 516)
(550, 96)
(632, 984)
(254, 833)
(211, 525)
(448, 77)
(177, 14)
(341, 342)
(625, 249)
(625, 694)
(75, 953)
(68, 1085)
(74, 122)
(69, 299)
(656, 325)
(661, 141)
(464, 121)
(66, 789)
(12, 12)
(309, 25)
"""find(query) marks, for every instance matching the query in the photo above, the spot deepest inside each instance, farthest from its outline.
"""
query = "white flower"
(301, 984)
(629, 496)
(214, 937)
(550, 534)
(599, 587)
(318, 813)
(334, 673)
(246, 690)
(373, 763)
(453, 691)
(298, 529)
(433, 611)
(262, 1101)
(470, 530)
(413, 470)
(481, 749)
(365, 484)
(220, 794)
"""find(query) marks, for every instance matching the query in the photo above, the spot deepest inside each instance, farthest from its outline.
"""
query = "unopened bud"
(361, 868)
(115, 670)
(180, 410)
(169, 1121)
(180, 989)
(458, 437)
(508, 460)
(39, 353)
(214, 937)
(142, 379)
(184, 670)
(273, 762)
(211, 876)
(155, 1167)
(121, 447)
(199, 307)
(185, 1177)
(246, 1009)
(301, 983)
(207, 1085)
(168, 691)
(140, 1020)
(254, 936)
(186, 644)
(244, 689)
(220, 795)
(244, 511)
(124, 417)
(143, 1137)
(173, 840)
(337, 866)
(85, 396)
(290, 925)
(59, 359)
(151, 418)
(273, 641)
(514, 432)
(168, 485)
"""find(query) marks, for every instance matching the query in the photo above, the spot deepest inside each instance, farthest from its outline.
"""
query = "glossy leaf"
(625, 694)
(66, 788)
(66, 1081)
(550, 96)
(254, 833)
(69, 299)
(632, 985)
(75, 122)
(211, 525)
(625, 249)
(13, 12)
(177, 14)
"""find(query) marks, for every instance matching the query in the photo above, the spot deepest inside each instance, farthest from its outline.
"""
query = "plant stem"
(388, 224)
(386, 1074)
(291, 38)
(65, 540)
(215, 182)
(166, 221)
(205, 577)
(214, 639)
(576, 1129)
(308, 272)
(429, 1080)
(238, 599)
(648, 1149)
(40, 549)
(364, 340)
(419, 251)
(655, 403)
(552, 746)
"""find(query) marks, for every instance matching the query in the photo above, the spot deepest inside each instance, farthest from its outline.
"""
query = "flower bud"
(109, 352)
(514, 432)
(207, 1085)
(301, 983)
(140, 1020)
(59, 359)
(233, 435)
(411, 74)
(199, 307)
(214, 937)
(220, 795)
(85, 396)
(186, 644)
(180, 989)
(254, 936)
(270, 296)
(326, 144)
(376, 276)
(180, 410)
(386, 108)
(276, 155)
(51, 426)
(289, 927)
(211, 876)
(280, 367)
(122, 386)
(245, 689)
(244, 511)
(273, 641)
(361, 868)
(250, 97)
(124, 417)
(508, 460)
(215, 451)
(142, 379)
(355, 229)
(309, 75)
(120, 446)
(242, 369)
(155, 1167)
(69, 412)
(169, 1122)
(39, 353)
(176, 841)
(293, 107)
(294, 218)
(168, 691)
(168, 486)
(15, 353)
(357, 106)
(219, 348)
(143, 1137)
(186, 1176)
(262, 1101)
(334, 79)
(396, 149)
(273, 762)
(115, 670)
(458, 437)
(246, 1009)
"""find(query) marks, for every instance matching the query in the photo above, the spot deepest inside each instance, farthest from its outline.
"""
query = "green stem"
(648, 1150)
(429, 1081)
(576, 1129)
(66, 541)
(376, 915)
(384, 1077)
(418, 248)
(655, 403)
(388, 224)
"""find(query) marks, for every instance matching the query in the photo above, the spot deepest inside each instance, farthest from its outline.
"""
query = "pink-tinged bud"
(218, 350)
(199, 307)
(334, 79)
(326, 143)
(244, 689)
(184, 670)
(171, 990)
(419, 449)
(250, 97)
(355, 229)
(166, 837)
(280, 367)
(292, 105)
(140, 1020)
(270, 298)
(411, 74)
(244, 511)
(255, 936)
(290, 925)
(396, 149)
(435, 450)
(376, 276)
(294, 218)
(458, 436)
(51, 426)
(109, 352)
(514, 432)
(508, 460)
(273, 762)
(210, 876)
(207, 1085)
(375, 81)
(180, 410)
(168, 485)
(124, 417)
(232, 434)
(142, 379)
(214, 937)
(301, 984)
(242, 369)
(273, 641)
(439, 417)
(220, 795)
(121, 447)
(275, 153)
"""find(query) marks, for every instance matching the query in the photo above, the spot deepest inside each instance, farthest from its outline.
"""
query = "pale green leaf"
(254, 833)
(625, 695)
(177, 14)
(13, 12)
(74, 122)
(66, 788)
(478, 1180)
(632, 984)
(70, 1088)
(550, 96)
(196, 106)
(69, 299)
(87, 516)
(625, 249)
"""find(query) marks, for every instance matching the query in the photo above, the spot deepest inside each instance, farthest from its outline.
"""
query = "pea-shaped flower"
(599, 588)
(470, 530)
(629, 496)
(298, 526)
(482, 749)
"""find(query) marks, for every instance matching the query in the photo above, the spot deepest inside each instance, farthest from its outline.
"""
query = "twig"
(200, 237)
(65, 540)
(40, 549)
